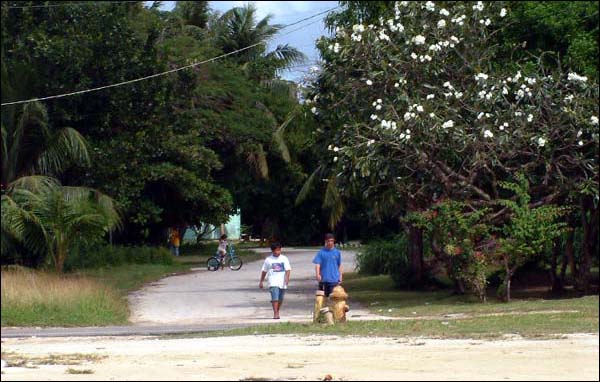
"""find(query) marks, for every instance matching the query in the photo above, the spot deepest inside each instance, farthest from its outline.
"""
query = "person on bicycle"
(222, 250)
(278, 268)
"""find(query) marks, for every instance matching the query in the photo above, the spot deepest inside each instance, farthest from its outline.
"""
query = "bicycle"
(217, 261)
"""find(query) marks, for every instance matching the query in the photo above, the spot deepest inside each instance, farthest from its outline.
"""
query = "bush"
(106, 255)
(388, 257)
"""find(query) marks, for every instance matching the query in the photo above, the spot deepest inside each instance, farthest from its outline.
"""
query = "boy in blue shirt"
(328, 266)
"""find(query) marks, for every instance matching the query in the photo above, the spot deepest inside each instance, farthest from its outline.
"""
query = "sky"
(286, 12)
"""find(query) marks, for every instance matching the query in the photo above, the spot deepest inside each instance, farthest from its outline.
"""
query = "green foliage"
(457, 237)
(49, 219)
(389, 257)
(528, 232)
(569, 28)
(103, 255)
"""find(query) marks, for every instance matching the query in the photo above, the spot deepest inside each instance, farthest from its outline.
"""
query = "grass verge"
(440, 314)
(91, 296)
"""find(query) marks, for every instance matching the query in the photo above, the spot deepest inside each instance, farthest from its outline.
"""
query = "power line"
(69, 4)
(159, 74)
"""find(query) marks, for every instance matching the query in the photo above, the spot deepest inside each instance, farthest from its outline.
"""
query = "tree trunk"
(555, 278)
(415, 254)
(588, 214)
(569, 253)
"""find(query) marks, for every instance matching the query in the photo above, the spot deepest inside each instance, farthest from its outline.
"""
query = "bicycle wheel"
(235, 263)
(213, 264)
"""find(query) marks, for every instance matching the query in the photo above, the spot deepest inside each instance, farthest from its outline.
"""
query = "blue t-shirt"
(330, 260)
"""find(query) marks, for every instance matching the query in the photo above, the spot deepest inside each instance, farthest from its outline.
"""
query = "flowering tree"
(422, 105)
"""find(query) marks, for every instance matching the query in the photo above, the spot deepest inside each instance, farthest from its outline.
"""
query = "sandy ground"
(290, 357)
(234, 297)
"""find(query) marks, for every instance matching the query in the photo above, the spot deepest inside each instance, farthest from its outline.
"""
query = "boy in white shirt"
(278, 268)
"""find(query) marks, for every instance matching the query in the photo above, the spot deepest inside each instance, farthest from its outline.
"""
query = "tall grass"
(32, 297)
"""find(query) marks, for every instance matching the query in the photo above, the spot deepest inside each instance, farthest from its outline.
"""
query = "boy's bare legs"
(276, 305)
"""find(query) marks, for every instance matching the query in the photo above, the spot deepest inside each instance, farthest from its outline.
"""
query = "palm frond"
(285, 56)
(66, 145)
(333, 201)
(307, 186)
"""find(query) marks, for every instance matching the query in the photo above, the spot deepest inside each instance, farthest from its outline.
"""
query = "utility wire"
(69, 4)
(163, 73)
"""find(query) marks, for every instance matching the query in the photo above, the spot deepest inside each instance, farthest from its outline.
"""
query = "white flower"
(488, 134)
(529, 117)
(369, 82)
(336, 48)
(396, 85)
(379, 100)
(579, 133)
(336, 149)
(478, 6)
(420, 109)
(313, 110)
(419, 40)
(356, 37)
(358, 28)
(329, 147)
(441, 23)
(503, 12)
(383, 36)
(594, 120)
(335, 159)
(487, 22)
(374, 116)
(576, 77)
(407, 116)
(413, 55)
(580, 143)
(430, 96)
(444, 12)
(569, 98)
(482, 94)
(458, 94)
(431, 115)
(480, 115)
(504, 90)
(481, 76)
(430, 6)
(378, 107)
(447, 124)
(447, 85)
(518, 114)
(541, 142)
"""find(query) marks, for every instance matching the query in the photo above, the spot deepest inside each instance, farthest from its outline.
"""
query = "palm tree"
(239, 29)
(29, 144)
(49, 218)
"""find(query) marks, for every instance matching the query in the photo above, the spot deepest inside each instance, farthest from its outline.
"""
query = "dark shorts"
(327, 287)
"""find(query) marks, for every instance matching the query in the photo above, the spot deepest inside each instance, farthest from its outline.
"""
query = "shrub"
(106, 255)
(388, 256)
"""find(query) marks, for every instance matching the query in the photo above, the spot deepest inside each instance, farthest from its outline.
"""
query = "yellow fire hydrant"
(319, 304)
(338, 304)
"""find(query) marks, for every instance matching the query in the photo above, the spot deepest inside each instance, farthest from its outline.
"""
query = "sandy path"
(290, 357)
(225, 296)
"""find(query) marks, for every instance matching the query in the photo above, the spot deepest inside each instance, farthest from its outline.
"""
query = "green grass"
(91, 296)
(529, 326)
(441, 314)
(379, 295)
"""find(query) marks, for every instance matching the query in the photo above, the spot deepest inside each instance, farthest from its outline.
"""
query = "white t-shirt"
(275, 268)
(222, 245)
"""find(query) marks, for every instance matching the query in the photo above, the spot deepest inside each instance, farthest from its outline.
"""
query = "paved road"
(205, 301)
(225, 296)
